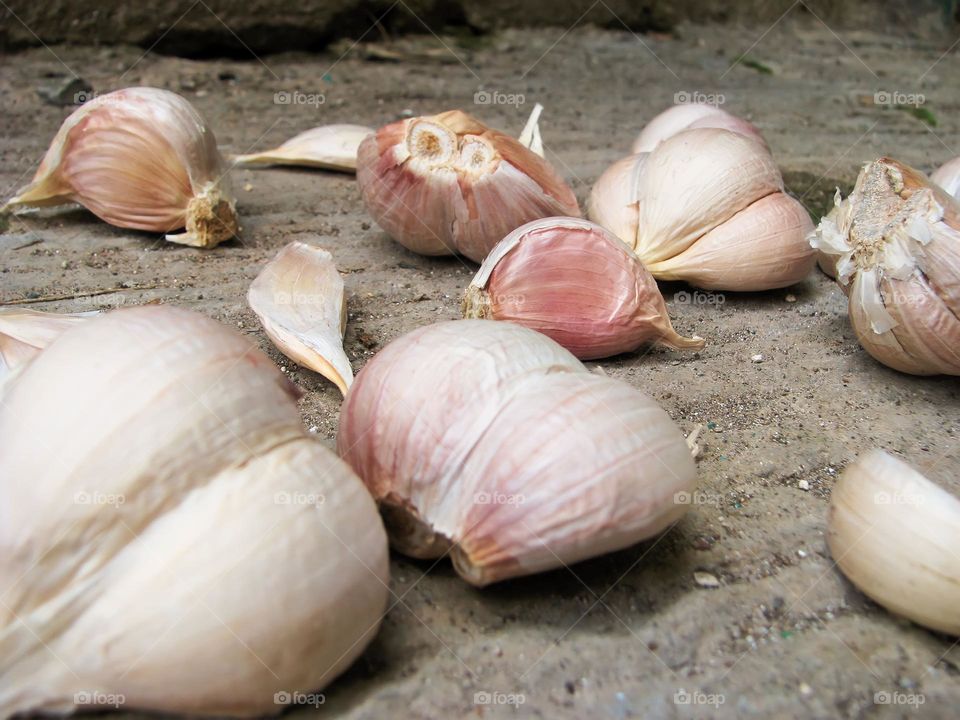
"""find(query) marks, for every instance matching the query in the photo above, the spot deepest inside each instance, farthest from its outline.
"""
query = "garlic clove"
(691, 116)
(925, 327)
(329, 147)
(615, 198)
(763, 246)
(448, 184)
(947, 176)
(139, 158)
(299, 298)
(489, 441)
(575, 282)
(24, 333)
(894, 535)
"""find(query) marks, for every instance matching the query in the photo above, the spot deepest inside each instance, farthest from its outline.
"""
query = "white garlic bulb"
(895, 535)
(329, 147)
(492, 442)
(448, 184)
(690, 116)
(140, 158)
(169, 532)
(707, 206)
(894, 246)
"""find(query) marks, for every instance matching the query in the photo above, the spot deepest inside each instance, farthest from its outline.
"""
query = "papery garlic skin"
(894, 246)
(489, 441)
(576, 283)
(447, 184)
(300, 300)
(894, 534)
(947, 176)
(691, 116)
(169, 531)
(139, 158)
(328, 147)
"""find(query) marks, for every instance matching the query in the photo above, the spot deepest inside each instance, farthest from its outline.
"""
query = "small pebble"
(313, 429)
(803, 485)
(247, 187)
(805, 690)
(758, 358)
(801, 553)
(791, 298)
(706, 580)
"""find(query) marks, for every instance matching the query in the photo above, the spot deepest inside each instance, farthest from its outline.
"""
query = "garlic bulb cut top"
(707, 206)
(24, 333)
(140, 158)
(490, 441)
(448, 184)
(330, 147)
(299, 298)
(577, 283)
(947, 176)
(895, 535)
(169, 532)
(894, 246)
(691, 116)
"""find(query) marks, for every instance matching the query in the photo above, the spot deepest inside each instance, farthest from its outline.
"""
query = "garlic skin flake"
(24, 333)
(707, 206)
(894, 534)
(329, 147)
(139, 158)
(491, 442)
(690, 116)
(300, 300)
(448, 184)
(576, 283)
(178, 538)
(893, 245)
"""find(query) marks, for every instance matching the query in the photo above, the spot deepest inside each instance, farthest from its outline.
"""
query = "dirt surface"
(784, 635)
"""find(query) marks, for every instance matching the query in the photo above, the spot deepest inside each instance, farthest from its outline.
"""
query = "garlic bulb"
(691, 116)
(299, 298)
(894, 246)
(170, 535)
(448, 184)
(894, 534)
(707, 206)
(139, 158)
(24, 333)
(330, 147)
(947, 176)
(578, 284)
(491, 442)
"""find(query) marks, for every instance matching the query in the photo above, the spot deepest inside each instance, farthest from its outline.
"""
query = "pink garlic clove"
(690, 116)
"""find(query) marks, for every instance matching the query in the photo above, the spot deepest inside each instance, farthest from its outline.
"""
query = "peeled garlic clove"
(24, 333)
(330, 147)
(691, 116)
(947, 176)
(299, 298)
(488, 440)
(763, 246)
(894, 534)
(447, 184)
(576, 283)
(169, 531)
(139, 158)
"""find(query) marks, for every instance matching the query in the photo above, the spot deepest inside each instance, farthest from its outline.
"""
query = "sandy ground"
(784, 635)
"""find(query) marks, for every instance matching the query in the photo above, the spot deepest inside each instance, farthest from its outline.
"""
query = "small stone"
(64, 91)
(406, 113)
(705, 580)
(801, 553)
(806, 690)
(791, 298)
(313, 429)
(803, 485)
(239, 323)
(247, 187)
(758, 358)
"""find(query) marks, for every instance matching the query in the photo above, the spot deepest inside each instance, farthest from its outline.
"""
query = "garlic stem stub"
(170, 534)
(576, 283)
(328, 147)
(707, 206)
(300, 300)
(690, 116)
(490, 442)
(447, 184)
(895, 535)
(894, 247)
(140, 158)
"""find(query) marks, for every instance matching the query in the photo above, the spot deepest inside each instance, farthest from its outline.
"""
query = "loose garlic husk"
(578, 284)
(447, 184)
(947, 176)
(170, 534)
(139, 158)
(300, 300)
(691, 116)
(895, 535)
(24, 333)
(894, 247)
(491, 442)
(707, 206)
(329, 147)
